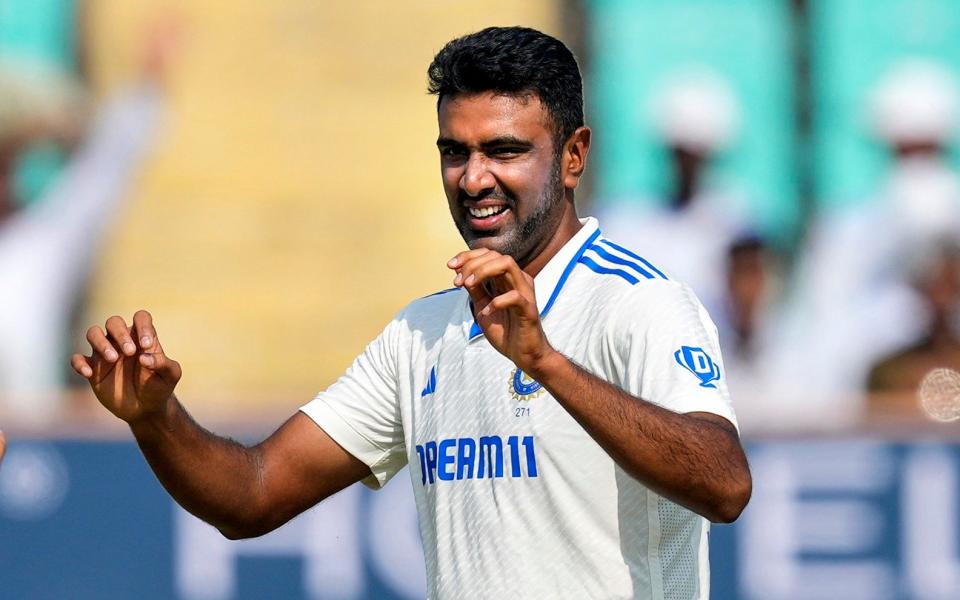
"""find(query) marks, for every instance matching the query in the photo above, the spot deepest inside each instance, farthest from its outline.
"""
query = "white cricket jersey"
(515, 499)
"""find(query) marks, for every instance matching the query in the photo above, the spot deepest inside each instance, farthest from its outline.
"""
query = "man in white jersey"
(563, 408)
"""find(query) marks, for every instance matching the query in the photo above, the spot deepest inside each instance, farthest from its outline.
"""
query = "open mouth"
(486, 211)
(486, 217)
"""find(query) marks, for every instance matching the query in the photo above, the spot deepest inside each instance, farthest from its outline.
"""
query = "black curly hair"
(512, 61)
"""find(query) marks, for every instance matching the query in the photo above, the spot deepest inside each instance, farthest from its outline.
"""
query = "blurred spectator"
(764, 354)
(44, 36)
(914, 111)
(40, 104)
(46, 249)
(894, 380)
(751, 283)
(697, 116)
(744, 327)
(851, 286)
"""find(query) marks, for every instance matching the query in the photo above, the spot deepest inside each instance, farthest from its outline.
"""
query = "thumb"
(3, 445)
(158, 362)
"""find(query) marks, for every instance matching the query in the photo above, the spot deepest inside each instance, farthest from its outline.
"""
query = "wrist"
(155, 420)
(545, 365)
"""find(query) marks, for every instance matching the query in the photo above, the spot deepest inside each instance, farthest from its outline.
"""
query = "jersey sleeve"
(361, 412)
(668, 351)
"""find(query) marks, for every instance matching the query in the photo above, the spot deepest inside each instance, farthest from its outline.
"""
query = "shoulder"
(619, 269)
(432, 312)
(633, 287)
(627, 285)
(437, 301)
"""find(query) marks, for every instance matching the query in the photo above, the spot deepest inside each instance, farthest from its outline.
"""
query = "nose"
(476, 178)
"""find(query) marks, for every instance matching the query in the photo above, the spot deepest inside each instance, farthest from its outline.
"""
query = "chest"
(469, 389)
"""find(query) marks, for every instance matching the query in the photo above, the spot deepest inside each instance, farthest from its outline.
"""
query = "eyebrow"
(504, 140)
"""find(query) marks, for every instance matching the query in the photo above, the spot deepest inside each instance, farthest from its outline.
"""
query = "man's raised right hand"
(127, 368)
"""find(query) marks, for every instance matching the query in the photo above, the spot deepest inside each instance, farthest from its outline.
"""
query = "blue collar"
(555, 273)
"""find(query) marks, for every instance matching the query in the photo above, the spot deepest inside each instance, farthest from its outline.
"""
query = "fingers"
(480, 293)
(159, 363)
(511, 299)
(118, 338)
(101, 345)
(3, 445)
(490, 277)
(120, 334)
(457, 261)
(143, 327)
(490, 266)
(81, 364)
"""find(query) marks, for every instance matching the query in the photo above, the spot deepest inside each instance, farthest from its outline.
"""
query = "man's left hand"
(504, 305)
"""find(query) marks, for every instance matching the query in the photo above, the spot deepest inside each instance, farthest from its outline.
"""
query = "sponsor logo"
(487, 457)
(699, 363)
(431, 386)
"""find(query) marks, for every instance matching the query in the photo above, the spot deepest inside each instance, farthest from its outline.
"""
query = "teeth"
(481, 213)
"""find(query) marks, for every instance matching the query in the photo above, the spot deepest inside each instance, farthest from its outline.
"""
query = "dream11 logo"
(698, 362)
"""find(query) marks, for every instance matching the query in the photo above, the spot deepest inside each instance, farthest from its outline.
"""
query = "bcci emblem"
(523, 387)
(699, 363)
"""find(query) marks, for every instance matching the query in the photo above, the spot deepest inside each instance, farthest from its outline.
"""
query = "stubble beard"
(521, 241)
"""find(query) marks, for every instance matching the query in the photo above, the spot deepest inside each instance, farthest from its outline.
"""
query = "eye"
(452, 152)
(507, 151)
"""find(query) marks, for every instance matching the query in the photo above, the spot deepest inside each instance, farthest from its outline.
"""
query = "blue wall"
(854, 518)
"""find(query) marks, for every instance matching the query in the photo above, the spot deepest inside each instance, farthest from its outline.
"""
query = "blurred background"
(262, 177)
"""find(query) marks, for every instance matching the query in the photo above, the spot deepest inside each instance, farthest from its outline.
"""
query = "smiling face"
(505, 182)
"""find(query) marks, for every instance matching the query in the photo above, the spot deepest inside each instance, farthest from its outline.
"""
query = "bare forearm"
(695, 462)
(694, 459)
(244, 492)
(214, 478)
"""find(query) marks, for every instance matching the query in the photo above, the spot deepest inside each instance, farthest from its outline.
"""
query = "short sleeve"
(668, 351)
(361, 412)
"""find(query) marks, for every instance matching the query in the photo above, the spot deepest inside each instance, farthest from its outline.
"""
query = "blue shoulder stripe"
(610, 244)
(621, 261)
(566, 272)
(605, 271)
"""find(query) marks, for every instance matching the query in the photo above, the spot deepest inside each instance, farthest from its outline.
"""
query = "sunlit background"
(262, 177)
(292, 205)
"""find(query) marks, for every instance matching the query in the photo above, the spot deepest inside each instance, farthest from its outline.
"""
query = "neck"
(941, 335)
(683, 196)
(569, 226)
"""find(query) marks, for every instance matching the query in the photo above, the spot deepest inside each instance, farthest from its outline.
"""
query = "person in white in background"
(697, 116)
(854, 303)
(763, 351)
(751, 340)
(46, 249)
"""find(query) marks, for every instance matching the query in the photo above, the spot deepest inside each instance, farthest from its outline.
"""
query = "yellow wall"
(293, 203)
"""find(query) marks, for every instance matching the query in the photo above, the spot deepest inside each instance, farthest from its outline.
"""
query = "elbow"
(232, 532)
(733, 500)
(243, 530)
(253, 521)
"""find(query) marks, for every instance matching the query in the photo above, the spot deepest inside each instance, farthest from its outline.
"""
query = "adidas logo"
(431, 383)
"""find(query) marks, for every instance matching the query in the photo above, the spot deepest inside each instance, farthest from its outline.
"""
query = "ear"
(574, 161)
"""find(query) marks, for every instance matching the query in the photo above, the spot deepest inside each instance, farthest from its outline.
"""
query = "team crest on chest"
(523, 387)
